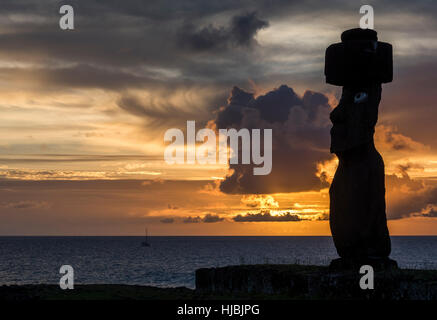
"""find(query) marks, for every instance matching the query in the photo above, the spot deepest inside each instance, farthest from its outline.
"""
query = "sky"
(84, 113)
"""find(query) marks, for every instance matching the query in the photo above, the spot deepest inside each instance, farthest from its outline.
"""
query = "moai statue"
(360, 64)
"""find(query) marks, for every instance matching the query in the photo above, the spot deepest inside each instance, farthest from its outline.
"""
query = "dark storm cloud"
(397, 142)
(114, 39)
(132, 32)
(212, 218)
(429, 213)
(167, 220)
(241, 32)
(408, 197)
(208, 218)
(244, 28)
(266, 217)
(300, 128)
(134, 106)
(166, 113)
(115, 34)
(192, 219)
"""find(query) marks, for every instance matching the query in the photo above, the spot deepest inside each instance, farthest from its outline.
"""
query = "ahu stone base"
(315, 282)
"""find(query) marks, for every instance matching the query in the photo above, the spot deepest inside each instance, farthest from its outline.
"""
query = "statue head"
(359, 59)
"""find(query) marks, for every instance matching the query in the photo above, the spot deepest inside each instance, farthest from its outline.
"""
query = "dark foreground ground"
(94, 292)
(290, 282)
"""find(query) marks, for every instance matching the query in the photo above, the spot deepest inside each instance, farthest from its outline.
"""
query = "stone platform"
(316, 282)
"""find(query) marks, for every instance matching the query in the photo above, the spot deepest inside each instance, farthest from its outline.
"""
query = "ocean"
(171, 261)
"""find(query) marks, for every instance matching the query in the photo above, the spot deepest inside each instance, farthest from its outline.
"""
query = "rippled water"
(171, 261)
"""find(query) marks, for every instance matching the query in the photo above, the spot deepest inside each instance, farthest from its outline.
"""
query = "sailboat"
(146, 243)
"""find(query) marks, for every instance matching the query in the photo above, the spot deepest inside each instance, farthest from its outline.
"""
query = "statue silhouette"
(360, 64)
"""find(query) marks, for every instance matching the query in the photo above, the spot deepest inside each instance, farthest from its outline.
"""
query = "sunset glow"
(84, 115)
